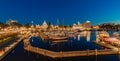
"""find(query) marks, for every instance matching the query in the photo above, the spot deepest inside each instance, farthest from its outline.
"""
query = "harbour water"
(72, 44)
(75, 43)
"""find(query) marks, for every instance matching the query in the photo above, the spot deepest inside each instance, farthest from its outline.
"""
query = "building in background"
(77, 26)
(44, 26)
(84, 26)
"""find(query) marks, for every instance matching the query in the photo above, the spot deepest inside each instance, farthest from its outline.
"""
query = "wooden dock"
(106, 45)
(10, 48)
(53, 54)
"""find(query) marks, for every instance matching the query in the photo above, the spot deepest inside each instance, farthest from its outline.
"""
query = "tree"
(1, 24)
(17, 24)
(27, 25)
(49, 25)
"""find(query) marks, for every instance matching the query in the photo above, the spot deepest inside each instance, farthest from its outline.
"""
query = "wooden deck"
(53, 54)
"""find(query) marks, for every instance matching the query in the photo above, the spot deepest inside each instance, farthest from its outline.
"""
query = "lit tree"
(27, 25)
(1, 24)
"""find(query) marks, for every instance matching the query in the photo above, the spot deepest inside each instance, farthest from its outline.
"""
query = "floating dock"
(53, 54)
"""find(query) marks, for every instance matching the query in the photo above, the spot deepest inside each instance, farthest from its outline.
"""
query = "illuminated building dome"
(44, 25)
(87, 21)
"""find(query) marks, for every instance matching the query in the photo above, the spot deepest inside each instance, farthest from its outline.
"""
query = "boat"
(104, 34)
(59, 41)
(116, 35)
(58, 38)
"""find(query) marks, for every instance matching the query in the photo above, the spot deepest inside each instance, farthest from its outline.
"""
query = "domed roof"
(87, 21)
(74, 24)
(78, 22)
(44, 23)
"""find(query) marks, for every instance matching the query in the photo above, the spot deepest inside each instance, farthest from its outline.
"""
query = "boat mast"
(58, 22)
(63, 22)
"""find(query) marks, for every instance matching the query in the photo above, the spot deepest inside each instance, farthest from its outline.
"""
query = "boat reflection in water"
(78, 37)
(88, 36)
(58, 41)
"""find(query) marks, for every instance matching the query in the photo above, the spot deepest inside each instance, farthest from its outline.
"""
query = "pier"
(53, 54)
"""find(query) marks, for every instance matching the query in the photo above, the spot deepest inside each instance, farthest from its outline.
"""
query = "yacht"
(55, 38)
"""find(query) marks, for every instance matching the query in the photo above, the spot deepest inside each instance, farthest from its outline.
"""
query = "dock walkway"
(53, 54)
(8, 49)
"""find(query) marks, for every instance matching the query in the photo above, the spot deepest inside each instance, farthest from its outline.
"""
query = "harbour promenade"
(8, 49)
(53, 54)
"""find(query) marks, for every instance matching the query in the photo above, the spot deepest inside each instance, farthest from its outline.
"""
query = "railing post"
(61, 54)
(45, 52)
(88, 52)
(118, 50)
(96, 52)
(37, 49)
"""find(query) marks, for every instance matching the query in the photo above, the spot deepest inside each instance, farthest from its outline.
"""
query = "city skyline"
(69, 11)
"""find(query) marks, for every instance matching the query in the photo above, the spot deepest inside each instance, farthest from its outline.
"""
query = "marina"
(65, 54)
(60, 42)
(53, 54)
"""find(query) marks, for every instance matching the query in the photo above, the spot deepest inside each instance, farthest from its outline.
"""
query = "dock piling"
(96, 52)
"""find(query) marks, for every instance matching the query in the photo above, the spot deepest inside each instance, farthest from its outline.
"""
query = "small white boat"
(55, 38)
(59, 41)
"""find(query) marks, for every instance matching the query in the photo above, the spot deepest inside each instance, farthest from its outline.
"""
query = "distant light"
(87, 21)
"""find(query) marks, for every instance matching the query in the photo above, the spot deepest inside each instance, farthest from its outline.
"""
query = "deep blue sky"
(97, 11)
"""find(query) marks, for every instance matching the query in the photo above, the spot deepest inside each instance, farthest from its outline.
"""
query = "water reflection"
(78, 37)
(57, 42)
(97, 36)
(119, 56)
(88, 36)
(74, 37)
